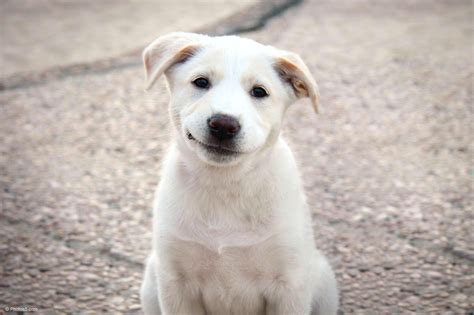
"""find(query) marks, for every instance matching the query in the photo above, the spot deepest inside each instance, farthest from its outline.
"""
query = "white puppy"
(232, 231)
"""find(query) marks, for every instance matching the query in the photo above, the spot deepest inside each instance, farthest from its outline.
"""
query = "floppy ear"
(292, 70)
(168, 50)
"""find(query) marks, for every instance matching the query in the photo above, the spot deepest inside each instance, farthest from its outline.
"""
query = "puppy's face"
(228, 94)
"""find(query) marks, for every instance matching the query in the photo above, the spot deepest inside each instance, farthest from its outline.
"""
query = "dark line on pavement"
(251, 19)
(275, 11)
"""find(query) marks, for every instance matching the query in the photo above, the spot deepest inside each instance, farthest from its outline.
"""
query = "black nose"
(223, 127)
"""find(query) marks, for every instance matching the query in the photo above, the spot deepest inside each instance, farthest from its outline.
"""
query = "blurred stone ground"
(37, 35)
(387, 165)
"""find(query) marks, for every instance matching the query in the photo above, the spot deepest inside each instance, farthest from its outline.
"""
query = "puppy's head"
(228, 94)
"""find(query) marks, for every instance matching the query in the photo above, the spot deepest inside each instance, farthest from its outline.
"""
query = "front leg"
(179, 291)
(179, 298)
(285, 299)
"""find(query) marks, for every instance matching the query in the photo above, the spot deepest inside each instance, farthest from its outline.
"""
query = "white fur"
(232, 235)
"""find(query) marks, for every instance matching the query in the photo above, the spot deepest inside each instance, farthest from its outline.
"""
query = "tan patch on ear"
(290, 73)
(299, 78)
(167, 50)
(300, 87)
(185, 53)
(158, 55)
(287, 65)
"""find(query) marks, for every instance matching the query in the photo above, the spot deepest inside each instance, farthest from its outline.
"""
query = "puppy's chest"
(218, 239)
(221, 221)
(227, 249)
(230, 268)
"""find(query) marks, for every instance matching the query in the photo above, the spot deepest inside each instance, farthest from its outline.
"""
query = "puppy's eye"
(201, 83)
(258, 92)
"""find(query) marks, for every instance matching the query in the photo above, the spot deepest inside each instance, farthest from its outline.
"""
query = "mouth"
(214, 149)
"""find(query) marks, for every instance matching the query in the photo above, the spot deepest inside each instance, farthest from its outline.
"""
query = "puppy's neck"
(240, 193)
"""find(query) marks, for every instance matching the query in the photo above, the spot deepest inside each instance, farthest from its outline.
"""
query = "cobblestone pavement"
(387, 165)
